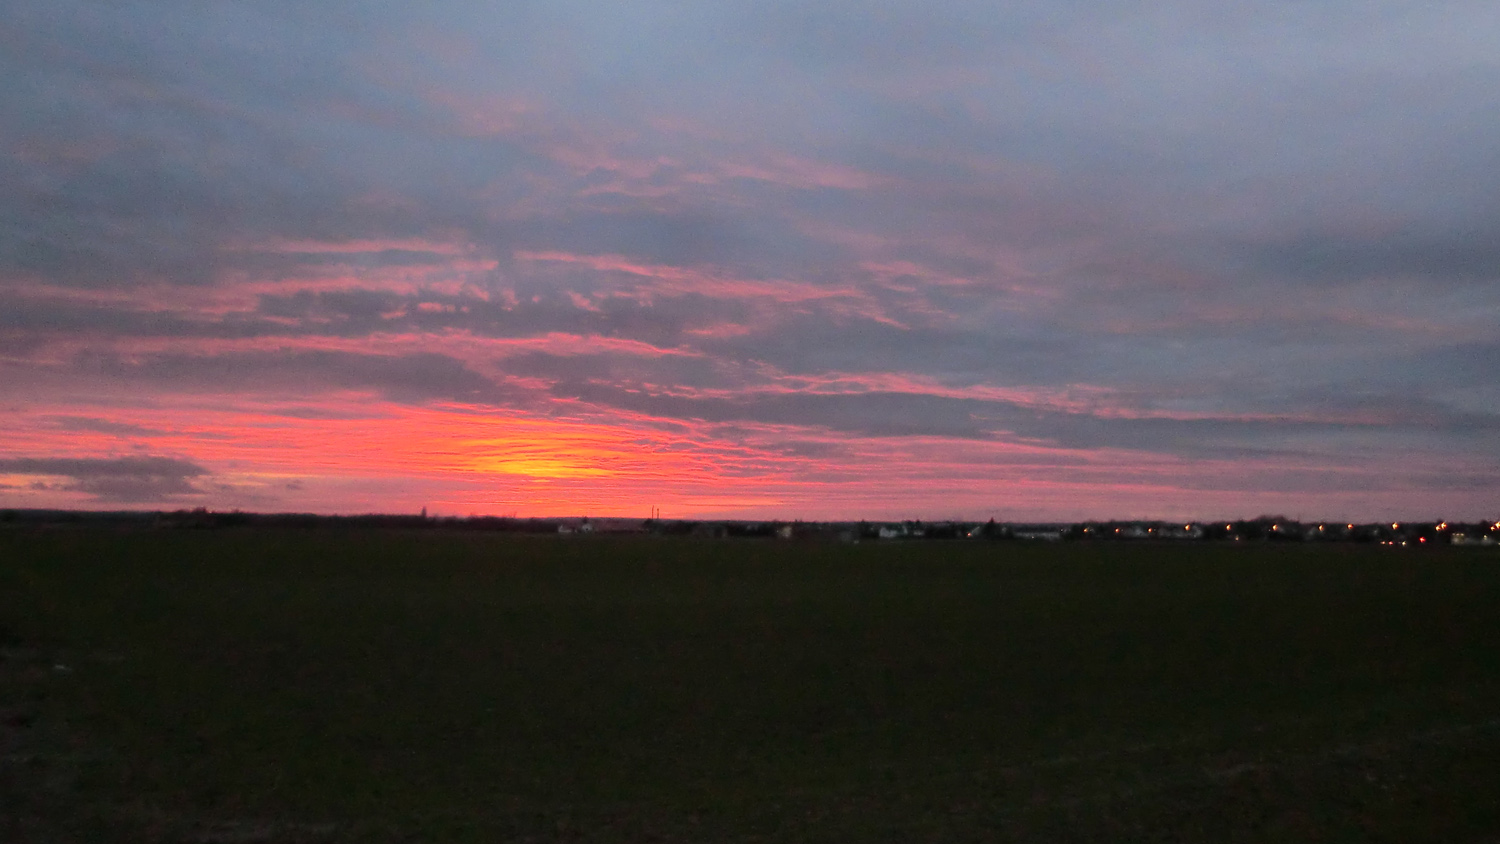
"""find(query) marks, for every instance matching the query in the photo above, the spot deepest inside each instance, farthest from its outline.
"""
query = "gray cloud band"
(122, 479)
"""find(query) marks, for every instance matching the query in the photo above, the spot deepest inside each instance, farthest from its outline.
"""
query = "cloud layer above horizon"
(876, 259)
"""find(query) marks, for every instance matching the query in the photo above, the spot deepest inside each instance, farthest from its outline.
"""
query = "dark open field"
(377, 686)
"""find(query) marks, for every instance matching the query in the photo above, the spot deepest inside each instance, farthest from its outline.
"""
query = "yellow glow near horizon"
(538, 467)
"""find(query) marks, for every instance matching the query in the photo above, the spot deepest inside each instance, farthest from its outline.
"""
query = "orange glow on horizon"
(351, 451)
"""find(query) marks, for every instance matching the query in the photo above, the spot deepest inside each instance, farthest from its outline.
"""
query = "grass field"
(225, 686)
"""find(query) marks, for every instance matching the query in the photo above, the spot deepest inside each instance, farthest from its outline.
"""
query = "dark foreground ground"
(364, 686)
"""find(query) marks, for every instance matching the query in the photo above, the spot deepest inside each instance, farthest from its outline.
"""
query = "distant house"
(1043, 533)
(572, 527)
(1465, 539)
(1183, 532)
(892, 531)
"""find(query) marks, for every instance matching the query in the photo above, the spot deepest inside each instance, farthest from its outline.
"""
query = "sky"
(1034, 260)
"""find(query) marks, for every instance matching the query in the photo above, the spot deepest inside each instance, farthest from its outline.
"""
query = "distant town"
(1260, 529)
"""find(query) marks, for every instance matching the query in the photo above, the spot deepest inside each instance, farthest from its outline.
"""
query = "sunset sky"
(950, 259)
